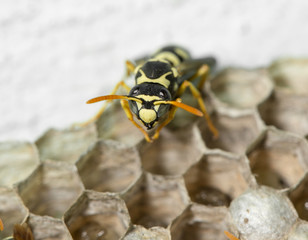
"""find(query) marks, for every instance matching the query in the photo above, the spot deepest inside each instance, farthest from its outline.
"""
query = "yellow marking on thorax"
(168, 56)
(161, 80)
(173, 69)
(155, 59)
(137, 68)
(175, 72)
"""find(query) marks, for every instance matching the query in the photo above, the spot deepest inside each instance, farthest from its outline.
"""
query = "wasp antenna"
(1, 225)
(184, 106)
(230, 236)
(103, 98)
(112, 97)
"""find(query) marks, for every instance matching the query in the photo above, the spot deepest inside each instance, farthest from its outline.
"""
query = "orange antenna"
(178, 103)
(1, 225)
(113, 97)
(230, 236)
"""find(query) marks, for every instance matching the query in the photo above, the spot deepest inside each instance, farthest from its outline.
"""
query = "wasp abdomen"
(173, 54)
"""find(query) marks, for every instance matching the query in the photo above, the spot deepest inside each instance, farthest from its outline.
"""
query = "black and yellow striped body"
(156, 79)
(160, 81)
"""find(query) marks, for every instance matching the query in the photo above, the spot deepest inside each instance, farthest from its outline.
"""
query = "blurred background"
(55, 55)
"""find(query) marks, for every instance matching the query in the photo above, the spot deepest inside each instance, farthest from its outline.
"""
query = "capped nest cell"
(104, 181)
(263, 214)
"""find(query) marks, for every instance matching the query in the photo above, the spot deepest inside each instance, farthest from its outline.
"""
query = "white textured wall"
(56, 54)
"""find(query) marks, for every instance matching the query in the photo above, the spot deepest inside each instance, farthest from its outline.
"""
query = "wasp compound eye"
(136, 91)
(163, 94)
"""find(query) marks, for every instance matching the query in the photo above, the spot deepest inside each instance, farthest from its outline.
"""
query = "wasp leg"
(202, 72)
(164, 123)
(130, 117)
(130, 67)
(196, 93)
(105, 104)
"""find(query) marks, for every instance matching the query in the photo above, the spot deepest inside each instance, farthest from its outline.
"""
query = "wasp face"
(146, 110)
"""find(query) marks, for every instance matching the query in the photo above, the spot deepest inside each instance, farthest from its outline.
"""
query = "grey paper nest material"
(104, 181)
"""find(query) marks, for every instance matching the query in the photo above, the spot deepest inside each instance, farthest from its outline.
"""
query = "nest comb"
(104, 181)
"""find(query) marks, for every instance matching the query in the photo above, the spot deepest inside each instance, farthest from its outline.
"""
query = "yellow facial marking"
(148, 98)
(147, 115)
(161, 80)
(156, 107)
(155, 59)
(139, 105)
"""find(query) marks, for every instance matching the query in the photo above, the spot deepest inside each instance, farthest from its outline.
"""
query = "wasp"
(20, 232)
(160, 81)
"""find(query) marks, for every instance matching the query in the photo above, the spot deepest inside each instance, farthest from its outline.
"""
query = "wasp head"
(147, 110)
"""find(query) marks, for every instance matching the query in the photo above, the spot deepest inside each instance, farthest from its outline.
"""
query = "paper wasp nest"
(104, 181)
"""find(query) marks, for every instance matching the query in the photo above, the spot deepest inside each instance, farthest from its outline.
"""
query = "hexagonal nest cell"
(237, 88)
(104, 181)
